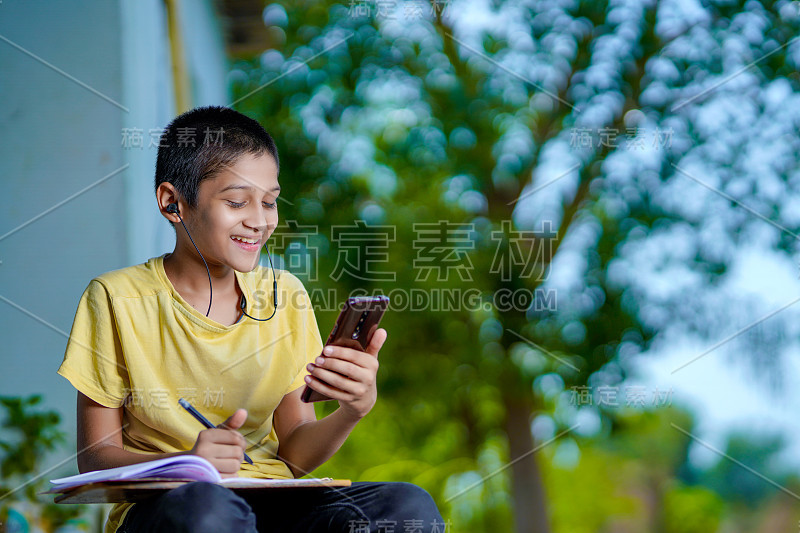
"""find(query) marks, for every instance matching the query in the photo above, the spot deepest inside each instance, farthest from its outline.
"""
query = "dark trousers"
(363, 507)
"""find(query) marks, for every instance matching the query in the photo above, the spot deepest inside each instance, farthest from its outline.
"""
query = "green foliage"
(399, 125)
(652, 437)
(737, 484)
(627, 481)
(37, 431)
(692, 510)
(28, 435)
(594, 494)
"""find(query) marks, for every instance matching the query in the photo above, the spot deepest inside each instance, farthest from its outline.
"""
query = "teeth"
(248, 241)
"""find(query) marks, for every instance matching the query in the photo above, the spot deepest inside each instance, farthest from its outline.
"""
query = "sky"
(722, 390)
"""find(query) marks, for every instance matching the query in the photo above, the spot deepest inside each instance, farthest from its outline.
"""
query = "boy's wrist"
(349, 416)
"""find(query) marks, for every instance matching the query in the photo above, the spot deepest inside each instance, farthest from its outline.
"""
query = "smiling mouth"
(247, 247)
(246, 240)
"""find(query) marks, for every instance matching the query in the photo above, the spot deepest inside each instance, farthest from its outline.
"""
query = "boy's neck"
(190, 276)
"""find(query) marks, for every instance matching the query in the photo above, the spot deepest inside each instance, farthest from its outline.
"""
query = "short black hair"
(203, 141)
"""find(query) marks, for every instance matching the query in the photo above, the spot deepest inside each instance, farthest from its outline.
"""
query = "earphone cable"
(274, 293)
(210, 286)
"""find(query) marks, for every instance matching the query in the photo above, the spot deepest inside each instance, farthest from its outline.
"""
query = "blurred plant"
(27, 436)
(692, 510)
(627, 481)
(737, 484)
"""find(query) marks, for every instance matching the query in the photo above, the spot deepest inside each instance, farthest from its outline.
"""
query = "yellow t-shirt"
(137, 343)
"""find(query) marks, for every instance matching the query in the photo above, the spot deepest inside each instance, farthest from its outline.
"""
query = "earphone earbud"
(172, 208)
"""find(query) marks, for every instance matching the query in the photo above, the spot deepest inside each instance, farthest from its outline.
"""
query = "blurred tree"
(627, 481)
(37, 433)
(660, 451)
(737, 484)
(582, 157)
(27, 435)
(691, 510)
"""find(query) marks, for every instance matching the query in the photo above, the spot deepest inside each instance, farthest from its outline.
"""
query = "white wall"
(148, 87)
(61, 116)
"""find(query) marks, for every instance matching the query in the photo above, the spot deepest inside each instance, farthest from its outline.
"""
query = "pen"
(203, 420)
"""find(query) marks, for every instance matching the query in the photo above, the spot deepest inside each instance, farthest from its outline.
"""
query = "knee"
(410, 504)
(201, 506)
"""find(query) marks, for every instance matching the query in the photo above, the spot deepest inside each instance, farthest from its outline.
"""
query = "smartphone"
(354, 328)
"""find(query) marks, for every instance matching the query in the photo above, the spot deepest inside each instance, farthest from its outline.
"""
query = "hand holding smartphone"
(357, 322)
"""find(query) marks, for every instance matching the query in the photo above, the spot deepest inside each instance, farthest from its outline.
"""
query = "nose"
(258, 220)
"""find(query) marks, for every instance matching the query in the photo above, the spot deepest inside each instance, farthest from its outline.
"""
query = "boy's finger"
(320, 386)
(228, 436)
(375, 344)
(235, 421)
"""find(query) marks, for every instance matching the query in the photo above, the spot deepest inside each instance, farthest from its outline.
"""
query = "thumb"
(376, 342)
(235, 421)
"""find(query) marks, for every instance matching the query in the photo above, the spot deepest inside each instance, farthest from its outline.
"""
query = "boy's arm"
(100, 438)
(100, 441)
(347, 375)
(304, 443)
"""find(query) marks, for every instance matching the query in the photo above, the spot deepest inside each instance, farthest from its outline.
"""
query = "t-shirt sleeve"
(93, 360)
(309, 340)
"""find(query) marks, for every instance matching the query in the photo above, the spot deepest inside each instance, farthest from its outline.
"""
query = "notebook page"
(187, 466)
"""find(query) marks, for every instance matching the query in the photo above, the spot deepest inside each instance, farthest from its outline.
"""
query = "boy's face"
(240, 201)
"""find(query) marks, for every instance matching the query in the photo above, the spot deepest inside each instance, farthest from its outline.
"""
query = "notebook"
(179, 468)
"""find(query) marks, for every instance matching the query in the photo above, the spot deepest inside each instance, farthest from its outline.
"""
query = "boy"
(184, 325)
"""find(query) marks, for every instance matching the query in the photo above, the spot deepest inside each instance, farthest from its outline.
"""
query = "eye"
(271, 206)
(235, 205)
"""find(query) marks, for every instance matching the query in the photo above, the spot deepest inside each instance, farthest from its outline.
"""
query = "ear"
(167, 194)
